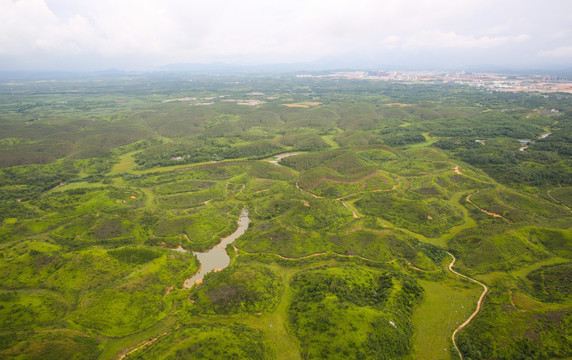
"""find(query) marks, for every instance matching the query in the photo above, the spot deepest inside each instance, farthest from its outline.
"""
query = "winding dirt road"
(479, 303)
(343, 197)
(486, 211)
(347, 207)
(307, 192)
(556, 200)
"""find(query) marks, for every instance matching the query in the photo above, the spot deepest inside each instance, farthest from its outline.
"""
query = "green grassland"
(345, 255)
(211, 341)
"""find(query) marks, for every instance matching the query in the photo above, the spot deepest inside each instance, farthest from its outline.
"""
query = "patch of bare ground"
(179, 99)
(168, 290)
(305, 105)
(396, 104)
(59, 185)
(250, 102)
(278, 158)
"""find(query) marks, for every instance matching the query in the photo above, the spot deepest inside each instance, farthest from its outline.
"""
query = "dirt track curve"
(479, 303)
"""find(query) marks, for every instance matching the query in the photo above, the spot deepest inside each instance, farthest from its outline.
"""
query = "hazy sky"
(145, 34)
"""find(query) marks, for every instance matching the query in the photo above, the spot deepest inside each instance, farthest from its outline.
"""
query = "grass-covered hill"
(355, 191)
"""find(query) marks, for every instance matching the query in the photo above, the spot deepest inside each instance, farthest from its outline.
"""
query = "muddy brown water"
(216, 258)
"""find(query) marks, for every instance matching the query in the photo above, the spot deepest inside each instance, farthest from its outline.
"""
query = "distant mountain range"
(324, 64)
(355, 62)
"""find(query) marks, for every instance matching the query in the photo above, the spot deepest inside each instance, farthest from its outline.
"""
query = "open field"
(445, 306)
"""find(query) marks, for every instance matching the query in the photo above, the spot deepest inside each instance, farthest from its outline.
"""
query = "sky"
(91, 35)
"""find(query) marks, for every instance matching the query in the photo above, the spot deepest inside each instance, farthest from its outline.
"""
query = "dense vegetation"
(355, 191)
(353, 313)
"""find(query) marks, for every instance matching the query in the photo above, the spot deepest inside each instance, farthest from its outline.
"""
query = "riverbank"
(217, 258)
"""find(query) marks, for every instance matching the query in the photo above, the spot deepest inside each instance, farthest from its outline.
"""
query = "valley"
(369, 219)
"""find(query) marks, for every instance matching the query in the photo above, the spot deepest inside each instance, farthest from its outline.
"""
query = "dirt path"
(345, 181)
(300, 258)
(59, 185)
(556, 200)
(366, 191)
(415, 267)
(278, 255)
(323, 253)
(144, 344)
(487, 212)
(321, 197)
(513, 304)
(229, 183)
(348, 181)
(260, 191)
(347, 207)
(479, 303)
(343, 197)
(307, 192)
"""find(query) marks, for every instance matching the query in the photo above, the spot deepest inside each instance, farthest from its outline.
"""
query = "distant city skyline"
(83, 35)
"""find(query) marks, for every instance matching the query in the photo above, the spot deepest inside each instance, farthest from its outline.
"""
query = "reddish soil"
(488, 212)
(168, 290)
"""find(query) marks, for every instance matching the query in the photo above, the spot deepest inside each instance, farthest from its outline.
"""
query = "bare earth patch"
(278, 158)
(306, 104)
(180, 99)
(250, 102)
(397, 105)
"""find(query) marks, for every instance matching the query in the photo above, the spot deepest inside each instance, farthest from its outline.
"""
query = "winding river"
(216, 258)
(276, 160)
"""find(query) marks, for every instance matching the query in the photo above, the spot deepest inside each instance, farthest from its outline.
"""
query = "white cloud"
(163, 31)
(559, 52)
(562, 34)
(28, 26)
(438, 39)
